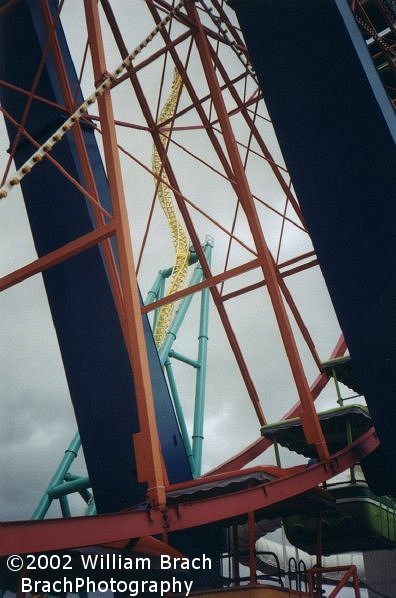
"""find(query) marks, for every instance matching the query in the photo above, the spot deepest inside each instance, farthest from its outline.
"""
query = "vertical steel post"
(252, 547)
(146, 442)
(179, 413)
(339, 397)
(311, 425)
(199, 406)
(164, 351)
(65, 507)
(235, 555)
(156, 292)
(194, 453)
(319, 552)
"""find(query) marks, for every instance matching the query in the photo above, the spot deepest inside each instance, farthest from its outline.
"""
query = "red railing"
(317, 573)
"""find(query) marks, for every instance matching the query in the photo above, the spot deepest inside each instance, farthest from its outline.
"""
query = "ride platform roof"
(289, 433)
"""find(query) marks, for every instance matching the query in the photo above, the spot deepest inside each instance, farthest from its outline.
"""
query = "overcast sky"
(37, 418)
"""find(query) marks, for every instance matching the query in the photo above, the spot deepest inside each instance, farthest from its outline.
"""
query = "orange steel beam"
(35, 97)
(57, 256)
(250, 387)
(298, 318)
(93, 200)
(350, 571)
(28, 104)
(230, 173)
(153, 57)
(58, 534)
(147, 445)
(206, 283)
(311, 425)
(222, 277)
(260, 445)
(260, 141)
(262, 283)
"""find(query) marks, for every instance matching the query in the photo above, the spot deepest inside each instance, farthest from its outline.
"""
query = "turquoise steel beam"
(154, 292)
(157, 291)
(64, 488)
(71, 476)
(183, 358)
(85, 494)
(166, 351)
(181, 313)
(91, 509)
(64, 466)
(65, 507)
(179, 412)
(200, 386)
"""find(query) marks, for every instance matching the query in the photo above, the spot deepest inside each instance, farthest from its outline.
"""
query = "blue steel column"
(102, 386)
(337, 130)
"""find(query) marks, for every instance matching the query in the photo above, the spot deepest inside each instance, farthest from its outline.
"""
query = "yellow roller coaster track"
(179, 237)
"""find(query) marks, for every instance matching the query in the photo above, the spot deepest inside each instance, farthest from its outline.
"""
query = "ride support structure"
(145, 477)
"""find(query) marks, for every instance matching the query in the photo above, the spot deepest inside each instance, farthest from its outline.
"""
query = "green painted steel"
(200, 386)
(58, 478)
(68, 487)
(184, 359)
(166, 351)
(65, 507)
(359, 521)
(179, 412)
(156, 290)
(179, 317)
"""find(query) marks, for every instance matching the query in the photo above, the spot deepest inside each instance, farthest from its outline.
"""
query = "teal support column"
(91, 509)
(179, 412)
(65, 507)
(203, 338)
(178, 319)
(82, 487)
(166, 351)
(181, 311)
(70, 454)
(157, 291)
(154, 292)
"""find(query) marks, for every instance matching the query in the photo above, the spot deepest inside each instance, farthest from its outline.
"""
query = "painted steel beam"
(336, 128)
(57, 534)
(312, 428)
(80, 295)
